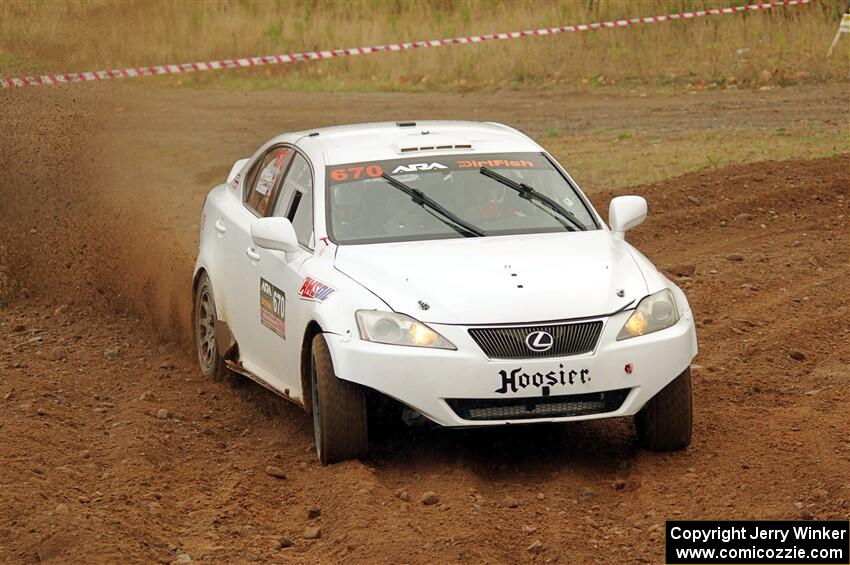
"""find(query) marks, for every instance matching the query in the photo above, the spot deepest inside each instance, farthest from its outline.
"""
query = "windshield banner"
(351, 172)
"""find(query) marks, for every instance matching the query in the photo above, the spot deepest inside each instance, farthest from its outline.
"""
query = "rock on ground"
(276, 472)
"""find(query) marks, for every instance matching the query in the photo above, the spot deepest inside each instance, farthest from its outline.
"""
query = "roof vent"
(434, 141)
(435, 148)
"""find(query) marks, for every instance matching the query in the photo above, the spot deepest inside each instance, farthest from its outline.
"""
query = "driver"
(490, 202)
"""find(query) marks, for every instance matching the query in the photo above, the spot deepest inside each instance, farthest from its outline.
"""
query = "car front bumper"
(427, 379)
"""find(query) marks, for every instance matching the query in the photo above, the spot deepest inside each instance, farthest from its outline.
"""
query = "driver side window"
(296, 199)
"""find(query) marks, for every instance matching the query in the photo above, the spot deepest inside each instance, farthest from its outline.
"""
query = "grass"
(781, 46)
(652, 157)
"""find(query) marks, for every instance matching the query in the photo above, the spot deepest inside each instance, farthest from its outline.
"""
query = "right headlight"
(655, 312)
(398, 329)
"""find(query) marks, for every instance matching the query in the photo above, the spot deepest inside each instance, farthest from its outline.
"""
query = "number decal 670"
(354, 173)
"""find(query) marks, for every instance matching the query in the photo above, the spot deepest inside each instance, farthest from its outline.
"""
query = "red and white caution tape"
(133, 72)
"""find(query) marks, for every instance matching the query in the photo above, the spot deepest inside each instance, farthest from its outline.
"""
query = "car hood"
(503, 279)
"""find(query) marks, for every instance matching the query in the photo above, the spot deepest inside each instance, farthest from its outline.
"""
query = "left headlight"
(655, 312)
(397, 329)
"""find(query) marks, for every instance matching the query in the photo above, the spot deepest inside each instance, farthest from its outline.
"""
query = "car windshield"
(364, 207)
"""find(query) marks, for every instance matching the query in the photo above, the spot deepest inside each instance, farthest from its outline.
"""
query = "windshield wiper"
(528, 193)
(458, 224)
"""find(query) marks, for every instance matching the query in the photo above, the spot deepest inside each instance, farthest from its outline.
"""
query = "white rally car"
(454, 267)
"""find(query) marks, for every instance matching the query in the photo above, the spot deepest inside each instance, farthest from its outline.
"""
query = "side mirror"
(625, 213)
(274, 233)
(237, 166)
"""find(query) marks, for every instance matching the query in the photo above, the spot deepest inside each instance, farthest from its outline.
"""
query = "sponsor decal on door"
(273, 308)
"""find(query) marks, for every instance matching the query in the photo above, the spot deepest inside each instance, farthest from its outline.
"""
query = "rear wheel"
(339, 410)
(665, 423)
(209, 358)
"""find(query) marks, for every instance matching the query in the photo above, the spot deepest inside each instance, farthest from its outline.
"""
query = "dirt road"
(114, 448)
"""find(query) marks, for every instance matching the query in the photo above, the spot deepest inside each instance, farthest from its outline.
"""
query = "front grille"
(509, 342)
(538, 407)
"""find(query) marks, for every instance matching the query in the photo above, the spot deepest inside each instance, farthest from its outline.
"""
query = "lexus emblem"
(539, 341)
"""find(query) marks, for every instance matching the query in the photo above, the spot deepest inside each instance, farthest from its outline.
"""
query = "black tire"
(339, 410)
(203, 325)
(666, 421)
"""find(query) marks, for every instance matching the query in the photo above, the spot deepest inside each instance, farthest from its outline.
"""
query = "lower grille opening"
(538, 406)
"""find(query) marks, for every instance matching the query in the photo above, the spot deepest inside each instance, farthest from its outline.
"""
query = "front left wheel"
(339, 410)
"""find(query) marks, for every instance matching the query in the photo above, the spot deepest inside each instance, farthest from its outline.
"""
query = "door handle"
(253, 255)
(220, 227)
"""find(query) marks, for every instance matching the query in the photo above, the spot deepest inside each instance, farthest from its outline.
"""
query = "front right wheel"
(339, 410)
(665, 422)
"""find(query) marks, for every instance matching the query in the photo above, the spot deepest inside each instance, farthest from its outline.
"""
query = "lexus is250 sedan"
(454, 267)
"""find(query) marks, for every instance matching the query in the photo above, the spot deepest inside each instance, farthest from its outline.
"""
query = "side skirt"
(238, 368)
